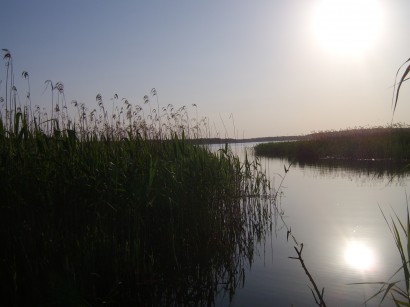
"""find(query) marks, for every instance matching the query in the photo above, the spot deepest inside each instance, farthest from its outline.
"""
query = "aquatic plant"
(380, 143)
(402, 79)
(119, 209)
(401, 237)
(318, 296)
(394, 288)
(400, 232)
(378, 150)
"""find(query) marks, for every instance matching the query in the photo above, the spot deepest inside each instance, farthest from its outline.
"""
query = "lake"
(335, 213)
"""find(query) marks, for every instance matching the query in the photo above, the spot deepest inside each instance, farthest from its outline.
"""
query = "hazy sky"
(276, 67)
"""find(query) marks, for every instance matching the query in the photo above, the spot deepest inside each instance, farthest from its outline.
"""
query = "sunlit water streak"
(336, 214)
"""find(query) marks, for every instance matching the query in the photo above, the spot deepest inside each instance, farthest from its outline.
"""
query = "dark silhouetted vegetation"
(387, 144)
(118, 207)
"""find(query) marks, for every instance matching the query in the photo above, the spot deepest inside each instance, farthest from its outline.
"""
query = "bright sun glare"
(347, 26)
(359, 256)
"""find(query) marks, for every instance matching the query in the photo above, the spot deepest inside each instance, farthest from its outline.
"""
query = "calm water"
(335, 213)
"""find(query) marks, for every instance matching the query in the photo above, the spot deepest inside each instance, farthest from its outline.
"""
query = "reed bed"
(118, 206)
(379, 149)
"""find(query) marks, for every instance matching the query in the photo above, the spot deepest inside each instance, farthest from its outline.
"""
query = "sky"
(253, 68)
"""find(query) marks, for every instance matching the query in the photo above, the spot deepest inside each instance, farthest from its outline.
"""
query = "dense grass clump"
(121, 219)
(121, 208)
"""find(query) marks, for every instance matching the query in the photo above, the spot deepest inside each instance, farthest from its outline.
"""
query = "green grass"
(120, 207)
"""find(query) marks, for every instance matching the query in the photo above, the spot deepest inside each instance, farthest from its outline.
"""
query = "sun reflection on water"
(359, 256)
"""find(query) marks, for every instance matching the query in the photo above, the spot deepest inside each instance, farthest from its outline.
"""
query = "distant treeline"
(249, 140)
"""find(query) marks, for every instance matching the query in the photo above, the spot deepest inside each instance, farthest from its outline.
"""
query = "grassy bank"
(355, 144)
(120, 208)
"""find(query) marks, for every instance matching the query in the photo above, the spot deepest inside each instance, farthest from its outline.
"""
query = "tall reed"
(121, 208)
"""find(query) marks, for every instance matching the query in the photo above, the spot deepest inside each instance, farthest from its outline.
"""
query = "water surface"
(336, 214)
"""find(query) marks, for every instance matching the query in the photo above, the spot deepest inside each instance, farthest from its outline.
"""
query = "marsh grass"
(382, 143)
(377, 150)
(120, 207)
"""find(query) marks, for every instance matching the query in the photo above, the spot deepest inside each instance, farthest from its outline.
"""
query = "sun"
(359, 256)
(347, 26)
